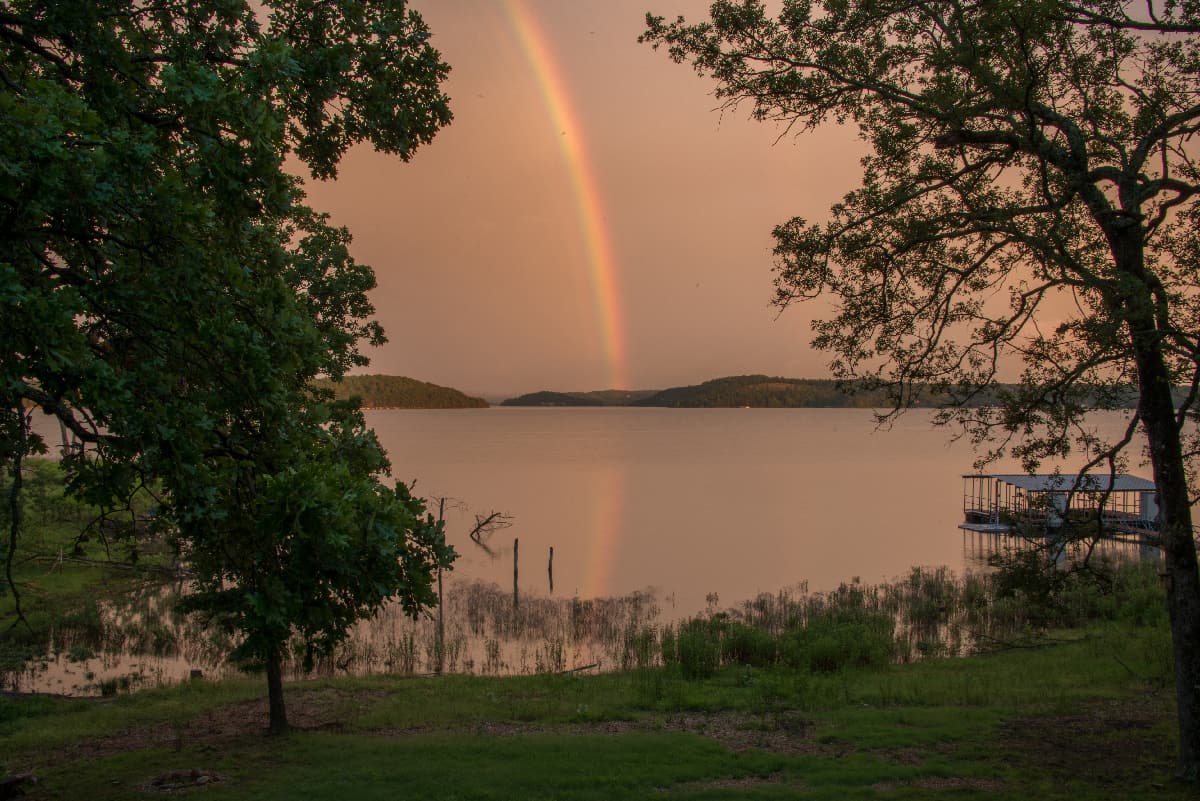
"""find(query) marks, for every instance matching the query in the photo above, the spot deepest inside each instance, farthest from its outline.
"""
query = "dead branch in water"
(486, 526)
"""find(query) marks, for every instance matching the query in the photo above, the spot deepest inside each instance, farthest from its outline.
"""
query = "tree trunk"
(278, 715)
(1157, 410)
(1179, 549)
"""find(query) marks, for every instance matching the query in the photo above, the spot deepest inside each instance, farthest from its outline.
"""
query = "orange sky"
(488, 280)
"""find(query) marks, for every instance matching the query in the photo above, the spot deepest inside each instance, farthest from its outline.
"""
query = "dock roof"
(1063, 482)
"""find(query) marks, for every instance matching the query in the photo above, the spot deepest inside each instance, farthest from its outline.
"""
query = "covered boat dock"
(1114, 506)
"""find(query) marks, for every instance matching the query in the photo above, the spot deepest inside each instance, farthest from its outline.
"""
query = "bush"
(746, 645)
(1140, 598)
(1051, 594)
(667, 646)
(826, 645)
(699, 647)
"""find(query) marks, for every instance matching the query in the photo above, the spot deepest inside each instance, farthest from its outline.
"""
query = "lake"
(691, 502)
(658, 513)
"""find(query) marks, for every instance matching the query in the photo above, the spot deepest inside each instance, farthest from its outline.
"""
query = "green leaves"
(165, 292)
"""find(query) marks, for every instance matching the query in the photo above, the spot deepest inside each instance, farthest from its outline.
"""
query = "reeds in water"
(927, 613)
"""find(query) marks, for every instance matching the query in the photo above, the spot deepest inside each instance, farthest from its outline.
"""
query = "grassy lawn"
(1085, 715)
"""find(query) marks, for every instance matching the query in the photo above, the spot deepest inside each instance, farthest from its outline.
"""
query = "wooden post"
(516, 597)
(440, 645)
(550, 569)
(441, 631)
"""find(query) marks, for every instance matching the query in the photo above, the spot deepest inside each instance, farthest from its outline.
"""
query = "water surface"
(691, 502)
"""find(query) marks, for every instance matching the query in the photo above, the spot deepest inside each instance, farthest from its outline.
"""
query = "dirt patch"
(180, 780)
(743, 783)
(739, 732)
(944, 783)
(307, 710)
(736, 731)
(1110, 743)
(330, 709)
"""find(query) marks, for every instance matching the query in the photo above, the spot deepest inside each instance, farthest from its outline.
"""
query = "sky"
(591, 219)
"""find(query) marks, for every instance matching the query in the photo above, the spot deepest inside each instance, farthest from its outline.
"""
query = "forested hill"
(604, 397)
(746, 390)
(758, 391)
(761, 391)
(399, 392)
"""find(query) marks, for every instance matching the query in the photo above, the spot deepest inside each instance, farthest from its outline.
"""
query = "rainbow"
(605, 512)
(606, 502)
(589, 206)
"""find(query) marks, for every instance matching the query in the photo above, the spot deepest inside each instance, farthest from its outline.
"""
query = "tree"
(1029, 201)
(304, 541)
(166, 294)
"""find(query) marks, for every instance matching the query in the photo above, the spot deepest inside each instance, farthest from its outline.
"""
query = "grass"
(1085, 714)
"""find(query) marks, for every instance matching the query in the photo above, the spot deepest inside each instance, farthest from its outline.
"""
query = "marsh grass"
(928, 613)
(138, 640)
(485, 633)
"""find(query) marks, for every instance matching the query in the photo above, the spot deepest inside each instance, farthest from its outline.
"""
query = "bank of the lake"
(1084, 714)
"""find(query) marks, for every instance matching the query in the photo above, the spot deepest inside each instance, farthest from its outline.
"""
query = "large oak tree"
(1030, 201)
(166, 294)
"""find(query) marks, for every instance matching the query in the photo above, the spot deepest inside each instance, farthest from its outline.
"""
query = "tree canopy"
(167, 295)
(1028, 206)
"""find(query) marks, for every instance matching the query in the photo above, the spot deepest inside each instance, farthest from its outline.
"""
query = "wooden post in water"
(550, 569)
(516, 597)
(441, 632)
(441, 623)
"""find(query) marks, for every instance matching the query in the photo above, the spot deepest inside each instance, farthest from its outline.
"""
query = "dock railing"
(1109, 505)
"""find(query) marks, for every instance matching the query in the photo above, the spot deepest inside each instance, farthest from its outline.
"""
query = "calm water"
(690, 502)
(697, 507)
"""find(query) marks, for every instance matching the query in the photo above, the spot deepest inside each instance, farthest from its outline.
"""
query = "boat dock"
(1118, 507)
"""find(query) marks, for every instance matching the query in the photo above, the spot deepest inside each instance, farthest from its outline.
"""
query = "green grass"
(1087, 714)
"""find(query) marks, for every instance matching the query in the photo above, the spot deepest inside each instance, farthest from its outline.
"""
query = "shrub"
(1140, 595)
(699, 647)
(746, 645)
(667, 646)
(827, 645)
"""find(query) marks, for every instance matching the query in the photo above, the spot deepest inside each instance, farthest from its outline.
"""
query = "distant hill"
(399, 392)
(603, 397)
(758, 391)
(733, 391)
(548, 398)
(762, 391)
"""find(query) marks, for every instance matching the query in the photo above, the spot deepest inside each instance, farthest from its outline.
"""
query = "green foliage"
(399, 392)
(323, 544)
(698, 647)
(829, 646)
(746, 645)
(166, 294)
(1051, 595)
